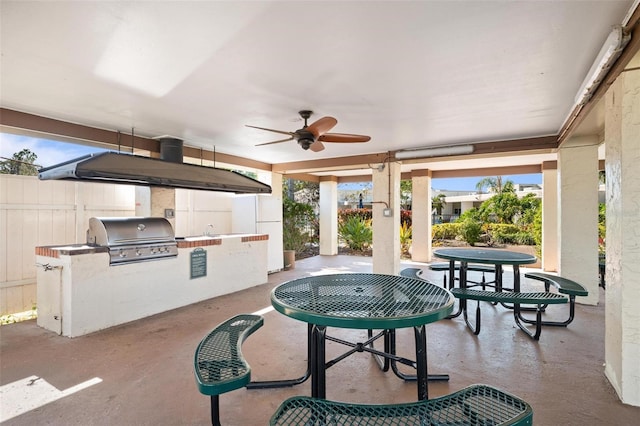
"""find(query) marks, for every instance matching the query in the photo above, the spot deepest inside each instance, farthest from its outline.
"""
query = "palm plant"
(356, 233)
(438, 202)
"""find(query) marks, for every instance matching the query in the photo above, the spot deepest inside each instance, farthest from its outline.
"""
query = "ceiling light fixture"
(434, 152)
(610, 51)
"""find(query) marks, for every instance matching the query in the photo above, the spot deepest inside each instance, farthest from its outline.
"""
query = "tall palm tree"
(493, 183)
(438, 202)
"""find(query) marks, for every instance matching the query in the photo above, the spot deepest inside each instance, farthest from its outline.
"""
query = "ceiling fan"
(311, 136)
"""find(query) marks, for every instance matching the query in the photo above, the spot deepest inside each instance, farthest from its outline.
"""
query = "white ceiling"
(409, 74)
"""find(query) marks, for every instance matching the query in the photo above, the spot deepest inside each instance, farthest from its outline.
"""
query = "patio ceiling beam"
(25, 123)
(22, 122)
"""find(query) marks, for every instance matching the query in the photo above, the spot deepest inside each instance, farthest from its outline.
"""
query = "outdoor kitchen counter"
(79, 292)
(214, 240)
(183, 242)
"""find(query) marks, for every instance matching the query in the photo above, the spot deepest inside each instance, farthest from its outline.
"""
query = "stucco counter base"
(79, 292)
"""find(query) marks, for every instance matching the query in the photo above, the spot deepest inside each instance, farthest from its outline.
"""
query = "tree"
(299, 224)
(494, 184)
(296, 218)
(301, 191)
(406, 188)
(602, 176)
(21, 163)
(438, 202)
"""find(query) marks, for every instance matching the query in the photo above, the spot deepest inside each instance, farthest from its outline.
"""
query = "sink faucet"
(209, 230)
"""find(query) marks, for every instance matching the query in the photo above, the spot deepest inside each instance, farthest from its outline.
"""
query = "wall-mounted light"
(611, 50)
(434, 152)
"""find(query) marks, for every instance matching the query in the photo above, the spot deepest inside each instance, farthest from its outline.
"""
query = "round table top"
(362, 301)
(490, 256)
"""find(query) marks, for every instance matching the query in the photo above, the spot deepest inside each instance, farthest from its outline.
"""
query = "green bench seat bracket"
(485, 269)
(540, 299)
(564, 286)
(219, 365)
(474, 405)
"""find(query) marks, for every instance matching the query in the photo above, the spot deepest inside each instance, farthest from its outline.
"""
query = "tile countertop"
(182, 242)
(214, 240)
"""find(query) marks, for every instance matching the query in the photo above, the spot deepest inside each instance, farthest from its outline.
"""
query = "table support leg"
(319, 374)
(452, 281)
(268, 384)
(409, 377)
(383, 362)
(421, 361)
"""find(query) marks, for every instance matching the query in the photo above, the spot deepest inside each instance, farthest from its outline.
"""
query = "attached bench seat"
(541, 299)
(474, 405)
(219, 365)
(564, 286)
(412, 273)
(444, 267)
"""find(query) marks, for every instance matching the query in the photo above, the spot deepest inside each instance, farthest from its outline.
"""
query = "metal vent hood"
(114, 167)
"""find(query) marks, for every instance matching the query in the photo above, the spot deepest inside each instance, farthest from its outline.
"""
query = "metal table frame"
(361, 301)
(495, 257)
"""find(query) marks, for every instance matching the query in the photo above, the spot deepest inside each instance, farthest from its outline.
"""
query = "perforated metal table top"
(487, 256)
(362, 301)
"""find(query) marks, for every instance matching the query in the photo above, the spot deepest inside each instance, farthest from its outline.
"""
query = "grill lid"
(114, 167)
(121, 231)
(133, 239)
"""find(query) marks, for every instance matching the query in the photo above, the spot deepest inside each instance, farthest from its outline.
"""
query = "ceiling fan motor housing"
(305, 138)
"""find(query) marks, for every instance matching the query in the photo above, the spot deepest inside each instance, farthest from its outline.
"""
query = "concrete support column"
(421, 215)
(578, 221)
(622, 149)
(550, 216)
(386, 229)
(274, 180)
(328, 215)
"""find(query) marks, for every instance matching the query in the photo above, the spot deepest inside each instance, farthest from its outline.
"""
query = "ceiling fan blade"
(271, 130)
(269, 143)
(322, 126)
(343, 137)
(316, 146)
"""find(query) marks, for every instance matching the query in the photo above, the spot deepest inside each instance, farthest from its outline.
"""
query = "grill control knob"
(138, 253)
(122, 253)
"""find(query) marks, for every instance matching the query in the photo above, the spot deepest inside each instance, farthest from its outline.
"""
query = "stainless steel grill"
(133, 239)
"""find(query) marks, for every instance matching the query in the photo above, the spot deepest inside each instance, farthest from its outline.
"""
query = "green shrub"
(356, 233)
(297, 220)
(445, 231)
(502, 228)
(506, 233)
(470, 231)
(525, 238)
(362, 214)
(472, 213)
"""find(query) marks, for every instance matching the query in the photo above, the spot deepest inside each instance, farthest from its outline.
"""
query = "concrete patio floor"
(141, 373)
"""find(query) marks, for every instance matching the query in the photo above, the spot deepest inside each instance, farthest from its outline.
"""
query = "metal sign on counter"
(198, 263)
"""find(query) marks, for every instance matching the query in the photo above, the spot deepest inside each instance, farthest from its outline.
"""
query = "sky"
(53, 152)
(48, 152)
